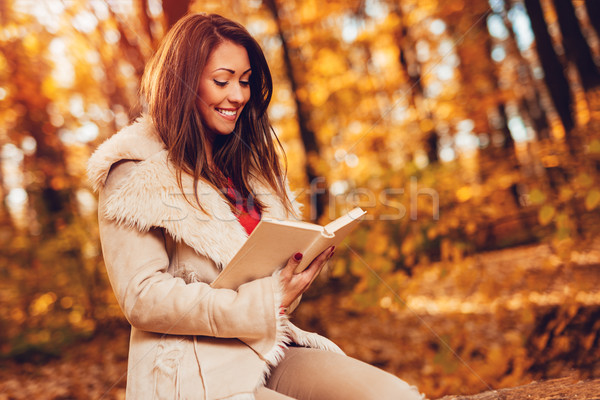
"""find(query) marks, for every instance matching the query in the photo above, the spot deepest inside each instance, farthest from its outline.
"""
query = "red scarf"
(248, 218)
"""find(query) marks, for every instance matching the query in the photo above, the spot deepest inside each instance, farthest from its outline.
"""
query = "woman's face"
(224, 88)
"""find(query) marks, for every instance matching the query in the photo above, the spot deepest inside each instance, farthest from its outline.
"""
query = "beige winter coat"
(188, 340)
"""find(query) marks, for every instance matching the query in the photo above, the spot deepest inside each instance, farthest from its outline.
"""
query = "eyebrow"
(232, 71)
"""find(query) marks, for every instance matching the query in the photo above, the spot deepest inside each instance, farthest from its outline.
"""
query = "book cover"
(273, 242)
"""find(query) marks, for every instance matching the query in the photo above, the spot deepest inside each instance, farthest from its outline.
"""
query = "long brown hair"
(170, 87)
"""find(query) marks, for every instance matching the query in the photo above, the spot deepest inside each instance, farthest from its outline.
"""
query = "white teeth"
(226, 112)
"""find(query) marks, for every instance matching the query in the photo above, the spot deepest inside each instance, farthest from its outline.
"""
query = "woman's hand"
(296, 284)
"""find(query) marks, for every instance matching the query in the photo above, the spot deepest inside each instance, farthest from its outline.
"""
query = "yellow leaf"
(565, 194)
(426, 125)
(471, 228)
(546, 214)
(318, 96)
(550, 161)
(49, 87)
(42, 304)
(594, 146)
(537, 197)
(380, 246)
(584, 180)
(505, 181)
(328, 63)
(308, 11)
(464, 193)
(558, 131)
(393, 253)
(592, 199)
(408, 246)
(31, 44)
(432, 233)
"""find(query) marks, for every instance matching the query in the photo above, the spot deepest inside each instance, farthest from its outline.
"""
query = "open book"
(273, 242)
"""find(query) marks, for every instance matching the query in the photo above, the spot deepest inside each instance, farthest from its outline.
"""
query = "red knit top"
(248, 218)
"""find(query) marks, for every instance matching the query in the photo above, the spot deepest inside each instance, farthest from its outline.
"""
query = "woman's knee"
(328, 375)
(399, 390)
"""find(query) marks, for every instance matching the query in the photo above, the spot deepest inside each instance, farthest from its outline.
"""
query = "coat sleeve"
(154, 300)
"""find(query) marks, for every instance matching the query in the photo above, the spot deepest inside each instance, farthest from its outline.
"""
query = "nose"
(237, 94)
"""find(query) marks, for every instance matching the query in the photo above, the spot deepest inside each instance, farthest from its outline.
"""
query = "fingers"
(296, 284)
(291, 265)
(318, 263)
(321, 259)
(313, 269)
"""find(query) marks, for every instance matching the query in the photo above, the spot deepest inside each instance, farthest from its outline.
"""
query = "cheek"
(204, 98)
(201, 105)
(205, 94)
(203, 109)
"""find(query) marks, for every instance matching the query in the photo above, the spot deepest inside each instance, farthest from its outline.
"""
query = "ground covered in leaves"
(503, 319)
(496, 320)
(555, 389)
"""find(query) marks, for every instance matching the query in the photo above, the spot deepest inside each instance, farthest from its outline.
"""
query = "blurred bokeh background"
(469, 130)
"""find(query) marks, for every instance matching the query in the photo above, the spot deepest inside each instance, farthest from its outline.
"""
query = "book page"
(272, 243)
(344, 220)
(332, 236)
(295, 224)
(268, 248)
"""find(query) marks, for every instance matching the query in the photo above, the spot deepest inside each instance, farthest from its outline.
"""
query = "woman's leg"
(263, 393)
(310, 374)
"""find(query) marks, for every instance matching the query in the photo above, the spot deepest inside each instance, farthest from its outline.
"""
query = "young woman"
(180, 191)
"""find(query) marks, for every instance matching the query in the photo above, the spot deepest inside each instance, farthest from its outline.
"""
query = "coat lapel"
(150, 196)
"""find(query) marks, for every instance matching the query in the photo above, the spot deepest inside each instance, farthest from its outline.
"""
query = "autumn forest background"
(469, 131)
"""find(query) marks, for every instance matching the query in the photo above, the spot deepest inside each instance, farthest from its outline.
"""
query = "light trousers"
(312, 374)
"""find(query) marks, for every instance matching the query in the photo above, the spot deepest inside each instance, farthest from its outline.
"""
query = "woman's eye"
(219, 83)
(245, 83)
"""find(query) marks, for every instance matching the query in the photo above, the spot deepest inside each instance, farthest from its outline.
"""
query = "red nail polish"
(331, 254)
(298, 256)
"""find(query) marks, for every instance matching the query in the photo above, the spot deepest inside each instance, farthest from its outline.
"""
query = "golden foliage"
(415, 122)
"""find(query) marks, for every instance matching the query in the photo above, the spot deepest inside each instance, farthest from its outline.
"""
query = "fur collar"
(150, 197)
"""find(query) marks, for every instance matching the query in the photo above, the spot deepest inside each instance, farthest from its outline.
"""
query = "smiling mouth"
(226, 113)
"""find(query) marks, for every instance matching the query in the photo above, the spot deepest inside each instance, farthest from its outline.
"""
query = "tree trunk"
(174, 10)
(309, 140)
(593, 12)
(5, 8)
(554, 76)
(412, 69)
(531, 102)
(531, 106)
(576, 47)
(508, 143)
(133, 54)
(145, 19)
